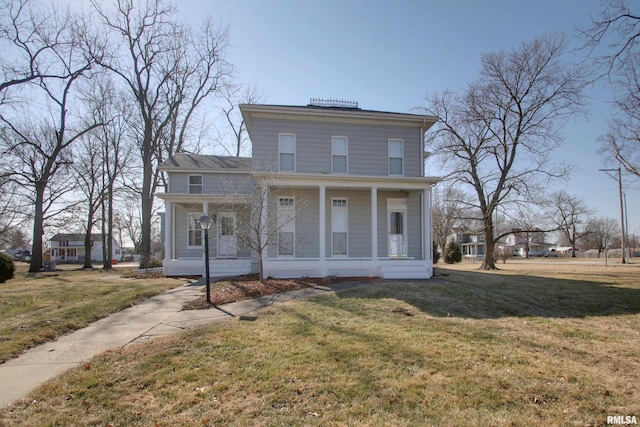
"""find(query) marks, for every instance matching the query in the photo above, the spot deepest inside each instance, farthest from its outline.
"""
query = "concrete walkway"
(156, 316)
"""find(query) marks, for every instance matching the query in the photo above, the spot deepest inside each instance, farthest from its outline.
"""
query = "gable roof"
(186, 162)
(74, 237)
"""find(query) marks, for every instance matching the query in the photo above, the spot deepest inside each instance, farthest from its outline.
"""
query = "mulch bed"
(246, 287)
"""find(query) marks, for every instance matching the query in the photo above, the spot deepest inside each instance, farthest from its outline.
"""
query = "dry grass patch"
(36, 308)
(471, 348)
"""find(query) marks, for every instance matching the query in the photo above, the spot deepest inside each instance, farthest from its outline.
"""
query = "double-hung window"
(396, 157)
(287, 152)
(339, 227)
(195, 184)
(195, 232)
(339, 154)
(286, 225)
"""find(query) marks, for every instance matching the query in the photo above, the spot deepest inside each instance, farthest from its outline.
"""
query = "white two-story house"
(342, 190)
(70, 248)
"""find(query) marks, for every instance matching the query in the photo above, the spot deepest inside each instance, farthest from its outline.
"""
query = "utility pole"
(626, 230)
(621, 206)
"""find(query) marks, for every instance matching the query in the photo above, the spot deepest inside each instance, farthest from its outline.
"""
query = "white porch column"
(322, 225)
(426, 221)
(168, 230)
(374, 223)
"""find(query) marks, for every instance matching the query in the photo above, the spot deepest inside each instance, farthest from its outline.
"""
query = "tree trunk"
(109, 263)
(147, 195)
(489, 261)
(87, 242)
(38, 230)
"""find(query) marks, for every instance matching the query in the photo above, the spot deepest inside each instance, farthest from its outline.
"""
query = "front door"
(227, 240)
(397, 237)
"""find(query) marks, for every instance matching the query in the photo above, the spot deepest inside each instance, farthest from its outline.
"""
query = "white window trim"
(346, 210)
(389, 156)
(189, 184)
(346, 155)
(292, 223)
(295, 148)
(197, 216)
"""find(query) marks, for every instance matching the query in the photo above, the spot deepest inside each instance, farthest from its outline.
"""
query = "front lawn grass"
(36, 308)
(531, 344)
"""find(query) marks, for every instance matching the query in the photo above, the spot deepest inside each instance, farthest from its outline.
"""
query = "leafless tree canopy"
(571, 216)
(496, 138)
(613, 41)
(37, 135)
(170, 70)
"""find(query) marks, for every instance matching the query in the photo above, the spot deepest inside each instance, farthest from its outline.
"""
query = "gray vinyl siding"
(359, 220)
(182, 231)
(368, 146)
(306, 222)
(219, 184)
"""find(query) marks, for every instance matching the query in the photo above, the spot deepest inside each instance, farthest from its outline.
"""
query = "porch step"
(404, 272)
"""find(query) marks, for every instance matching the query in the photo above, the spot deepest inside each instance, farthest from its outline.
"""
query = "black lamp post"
(205, 223)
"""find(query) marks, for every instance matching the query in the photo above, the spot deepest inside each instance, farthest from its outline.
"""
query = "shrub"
(436, 254)
(7, 268)
(452, 252)
(154, 263)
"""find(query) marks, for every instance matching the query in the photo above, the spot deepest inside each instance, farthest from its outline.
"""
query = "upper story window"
(339, 154)
(396, 157)
(195, 184)
(287, 152)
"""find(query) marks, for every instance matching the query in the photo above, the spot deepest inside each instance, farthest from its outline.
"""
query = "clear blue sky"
(388, 54)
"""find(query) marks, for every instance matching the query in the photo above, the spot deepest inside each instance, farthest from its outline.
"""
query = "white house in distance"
(70, 248)
(345, 195)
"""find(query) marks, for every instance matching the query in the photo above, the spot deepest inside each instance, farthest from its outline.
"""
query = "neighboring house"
(471, 243)
(347, 196)
(70, 248)
(19, 254)
(518, 241)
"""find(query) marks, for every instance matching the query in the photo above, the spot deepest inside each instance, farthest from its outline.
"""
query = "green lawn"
(533, 344)
(35, 308)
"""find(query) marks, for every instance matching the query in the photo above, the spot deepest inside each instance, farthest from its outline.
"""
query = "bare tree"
(571, 216)
(37, 135)
(447, 212)
(236, 129)
(261, 224)
(599, 232)
(12, 207)
(169, 72)
(617, 32)
(496, 138)
(87, 166)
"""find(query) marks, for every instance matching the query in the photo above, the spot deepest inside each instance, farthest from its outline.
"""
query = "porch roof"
(186, 162)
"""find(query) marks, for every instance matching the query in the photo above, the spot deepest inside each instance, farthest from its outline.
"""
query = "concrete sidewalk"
(156, 316)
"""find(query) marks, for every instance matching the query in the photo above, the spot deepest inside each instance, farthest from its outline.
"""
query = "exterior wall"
(359, 220)
(181, 227)
(368, 146)
(222, 184)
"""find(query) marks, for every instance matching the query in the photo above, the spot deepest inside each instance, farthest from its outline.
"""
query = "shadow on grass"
(478, 295)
